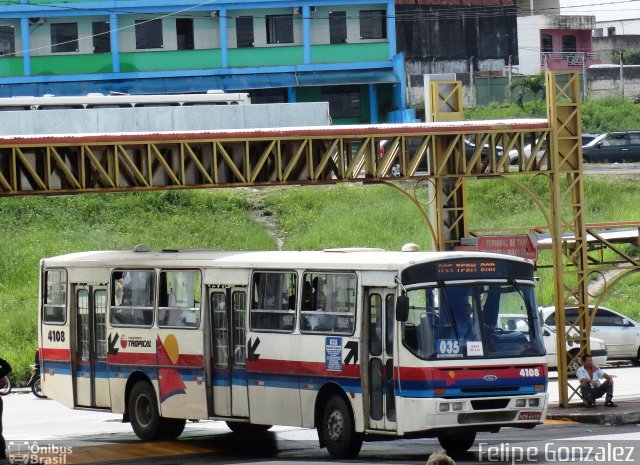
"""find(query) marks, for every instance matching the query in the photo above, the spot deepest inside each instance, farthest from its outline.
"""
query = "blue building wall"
(267, 69)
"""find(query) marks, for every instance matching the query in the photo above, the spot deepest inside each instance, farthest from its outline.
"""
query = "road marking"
(119, 452)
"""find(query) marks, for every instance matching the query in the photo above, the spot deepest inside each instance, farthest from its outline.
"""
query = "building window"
(244, 31)
(101, 37)
(269, 96)
(280, 29)
(547, 43)
(337, 27)
(148, 34)
(64, 37)
(184, 33)
(611, 31)
(344, 101)
(7, 41)
(373, 24)
(569, 44)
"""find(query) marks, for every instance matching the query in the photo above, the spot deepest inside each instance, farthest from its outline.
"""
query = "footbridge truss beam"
(71, 164)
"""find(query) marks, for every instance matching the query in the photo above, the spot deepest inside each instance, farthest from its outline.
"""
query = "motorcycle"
(35, 382)
(5, 385)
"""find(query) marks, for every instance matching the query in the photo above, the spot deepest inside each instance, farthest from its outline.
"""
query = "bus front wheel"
(143, 411)
(338, 430)
(457, 443)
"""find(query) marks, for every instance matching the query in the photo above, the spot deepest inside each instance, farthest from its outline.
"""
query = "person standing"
(5, 369)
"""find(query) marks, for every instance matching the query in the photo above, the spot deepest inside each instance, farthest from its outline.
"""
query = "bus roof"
(347, 259)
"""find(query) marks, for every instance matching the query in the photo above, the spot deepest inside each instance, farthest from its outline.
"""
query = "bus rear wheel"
(171, 428)
(143, 411)
(338, 430)
(247, 428)
(457, 443)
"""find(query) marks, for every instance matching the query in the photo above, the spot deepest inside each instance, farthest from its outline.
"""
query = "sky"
(604, 10)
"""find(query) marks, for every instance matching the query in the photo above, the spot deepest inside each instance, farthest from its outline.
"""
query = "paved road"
(611, 168)
(101, 437)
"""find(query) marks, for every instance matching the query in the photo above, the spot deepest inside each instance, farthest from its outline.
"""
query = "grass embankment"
(37, 227)
(604, 114)
(306, 218)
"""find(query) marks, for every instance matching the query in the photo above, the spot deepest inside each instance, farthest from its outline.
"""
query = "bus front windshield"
(480, 320)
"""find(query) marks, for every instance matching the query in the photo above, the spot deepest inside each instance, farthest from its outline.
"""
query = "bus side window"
(54, 303)
(179, 299)
(132, 297)
(330, 304)
(273, 294)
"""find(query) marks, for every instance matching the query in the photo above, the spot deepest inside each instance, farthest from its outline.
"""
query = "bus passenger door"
(228, 329)
(92, 377)
(378, 375)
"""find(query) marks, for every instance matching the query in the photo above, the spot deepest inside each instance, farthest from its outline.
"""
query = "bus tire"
(5, 386)
(143, 411)
(457, 443)
(338, 430)
(171, 428)
(239, 427)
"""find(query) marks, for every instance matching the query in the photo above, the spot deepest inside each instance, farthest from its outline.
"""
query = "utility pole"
(584, 76)
(510, 76)
(621, 74)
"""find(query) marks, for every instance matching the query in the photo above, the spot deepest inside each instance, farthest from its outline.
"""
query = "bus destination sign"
(460, 268)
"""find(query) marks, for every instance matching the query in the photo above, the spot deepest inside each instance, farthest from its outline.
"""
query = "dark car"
(613, 147)
(586, 138)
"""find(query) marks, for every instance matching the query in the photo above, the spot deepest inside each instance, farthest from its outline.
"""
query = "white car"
(619, 332)
(519, 323)
(514, 155)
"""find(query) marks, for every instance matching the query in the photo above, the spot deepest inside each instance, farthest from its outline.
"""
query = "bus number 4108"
(56, 336)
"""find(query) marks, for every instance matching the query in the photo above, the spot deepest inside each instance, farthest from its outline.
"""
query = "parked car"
(619, 332)
(586, 138)
(514, 155)
(414, 144)
(613, 147)
(470, 149)
(518, 322)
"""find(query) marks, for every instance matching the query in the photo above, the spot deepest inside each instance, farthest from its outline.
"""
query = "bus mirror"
(402, 308)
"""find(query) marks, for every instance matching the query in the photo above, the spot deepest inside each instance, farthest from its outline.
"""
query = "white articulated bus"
(358, 343)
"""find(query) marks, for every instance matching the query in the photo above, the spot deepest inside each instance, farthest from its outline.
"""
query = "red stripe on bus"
(300, 368)
(55, 355)
(147, 358)
(477, 372)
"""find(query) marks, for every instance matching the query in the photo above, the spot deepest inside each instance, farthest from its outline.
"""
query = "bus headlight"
(534, 402)
(443, 407)
(521, 402)
(456, 406)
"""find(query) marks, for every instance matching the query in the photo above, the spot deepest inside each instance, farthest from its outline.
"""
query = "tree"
(629, 57)
(534, 85)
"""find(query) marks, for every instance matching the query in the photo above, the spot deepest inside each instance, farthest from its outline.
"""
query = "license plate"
(529, 416)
